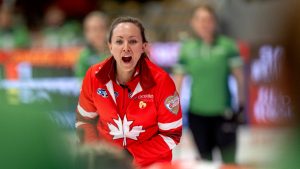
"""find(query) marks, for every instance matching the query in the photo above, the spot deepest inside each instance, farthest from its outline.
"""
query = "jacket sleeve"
(81, 65)
(86, 114)
(169, 122)
(181, 66)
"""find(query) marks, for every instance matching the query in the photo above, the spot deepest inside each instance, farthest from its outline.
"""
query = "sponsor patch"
(102, 92)
(172, 103)
(146, 97)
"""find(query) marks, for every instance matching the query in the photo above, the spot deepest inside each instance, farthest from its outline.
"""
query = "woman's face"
(203, 23)
(95, 30)
(126, 46)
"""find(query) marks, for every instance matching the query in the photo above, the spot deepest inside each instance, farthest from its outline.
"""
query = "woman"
(95, 50)
(129, 101)
(209, 58)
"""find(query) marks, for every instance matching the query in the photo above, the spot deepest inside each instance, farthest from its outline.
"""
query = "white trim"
(169, 126)
(110, 89)
(77, 124)
(137, 89)
(136, 73)
(84, 113)
(169, 141)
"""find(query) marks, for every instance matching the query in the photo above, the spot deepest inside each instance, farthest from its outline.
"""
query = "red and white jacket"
(143, 117)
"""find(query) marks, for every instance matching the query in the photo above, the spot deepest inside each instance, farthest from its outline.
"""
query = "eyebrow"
(129, 37)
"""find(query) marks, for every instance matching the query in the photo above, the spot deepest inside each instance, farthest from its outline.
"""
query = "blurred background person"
(95, 50)
(288, 83)
(13, 32)
(102, 155)
(29, 139)
(209, 58)
(59, 32)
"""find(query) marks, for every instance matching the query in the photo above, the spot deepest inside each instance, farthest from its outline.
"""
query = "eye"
(119, 41)
(133, 41)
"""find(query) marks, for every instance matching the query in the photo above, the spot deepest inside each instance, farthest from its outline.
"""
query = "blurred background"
(41, 43)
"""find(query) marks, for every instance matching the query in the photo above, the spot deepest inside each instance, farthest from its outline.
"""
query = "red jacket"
(144, 117)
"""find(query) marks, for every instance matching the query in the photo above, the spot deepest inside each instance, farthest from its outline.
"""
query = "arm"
(239, 116)
(86, 115)
(169, 122)
(179, 69)
(236, 65)
(81, 65)
(237, 72)
(178, 79)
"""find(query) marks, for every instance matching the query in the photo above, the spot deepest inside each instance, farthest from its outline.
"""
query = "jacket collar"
(107, 72)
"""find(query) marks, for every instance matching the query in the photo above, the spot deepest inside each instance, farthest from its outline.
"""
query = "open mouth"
(127, 59)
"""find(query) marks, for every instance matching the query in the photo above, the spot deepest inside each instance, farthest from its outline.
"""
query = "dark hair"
(97, 14)
(127, 19)
(206, 7)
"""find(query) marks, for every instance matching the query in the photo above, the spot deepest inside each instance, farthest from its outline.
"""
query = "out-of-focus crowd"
(55, 31)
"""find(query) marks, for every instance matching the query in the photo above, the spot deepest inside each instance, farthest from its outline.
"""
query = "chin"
(128, 68)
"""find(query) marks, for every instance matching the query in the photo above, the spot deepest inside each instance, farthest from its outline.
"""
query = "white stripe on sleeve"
(169, 126)
(84, 113)
(169, 141)
(77, 124)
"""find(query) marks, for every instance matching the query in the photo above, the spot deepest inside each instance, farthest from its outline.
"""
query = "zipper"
(122, 109)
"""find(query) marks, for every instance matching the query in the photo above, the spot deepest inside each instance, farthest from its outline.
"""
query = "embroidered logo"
(116, 94)
(172, 103)
(146, 97)
(102, 92)
(122, 130)
(142, 105)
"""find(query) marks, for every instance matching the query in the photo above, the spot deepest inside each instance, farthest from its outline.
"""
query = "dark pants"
(210, 132)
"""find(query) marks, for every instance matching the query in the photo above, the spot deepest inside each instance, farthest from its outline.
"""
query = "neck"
(99, 48)
(124, 76)
(208, 39)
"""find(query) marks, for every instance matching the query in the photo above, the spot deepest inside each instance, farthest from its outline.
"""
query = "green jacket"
(209, 67)
(88, 56)
(15, 37)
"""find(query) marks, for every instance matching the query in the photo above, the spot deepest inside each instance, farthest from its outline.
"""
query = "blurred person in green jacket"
(95, 28)
(13, 34)
(59, 32)
(209, 58)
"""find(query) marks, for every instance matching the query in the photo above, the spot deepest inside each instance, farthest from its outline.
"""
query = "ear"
(109, 46)
(145, 46)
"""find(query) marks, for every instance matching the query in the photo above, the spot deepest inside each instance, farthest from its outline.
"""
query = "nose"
(126, 47)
